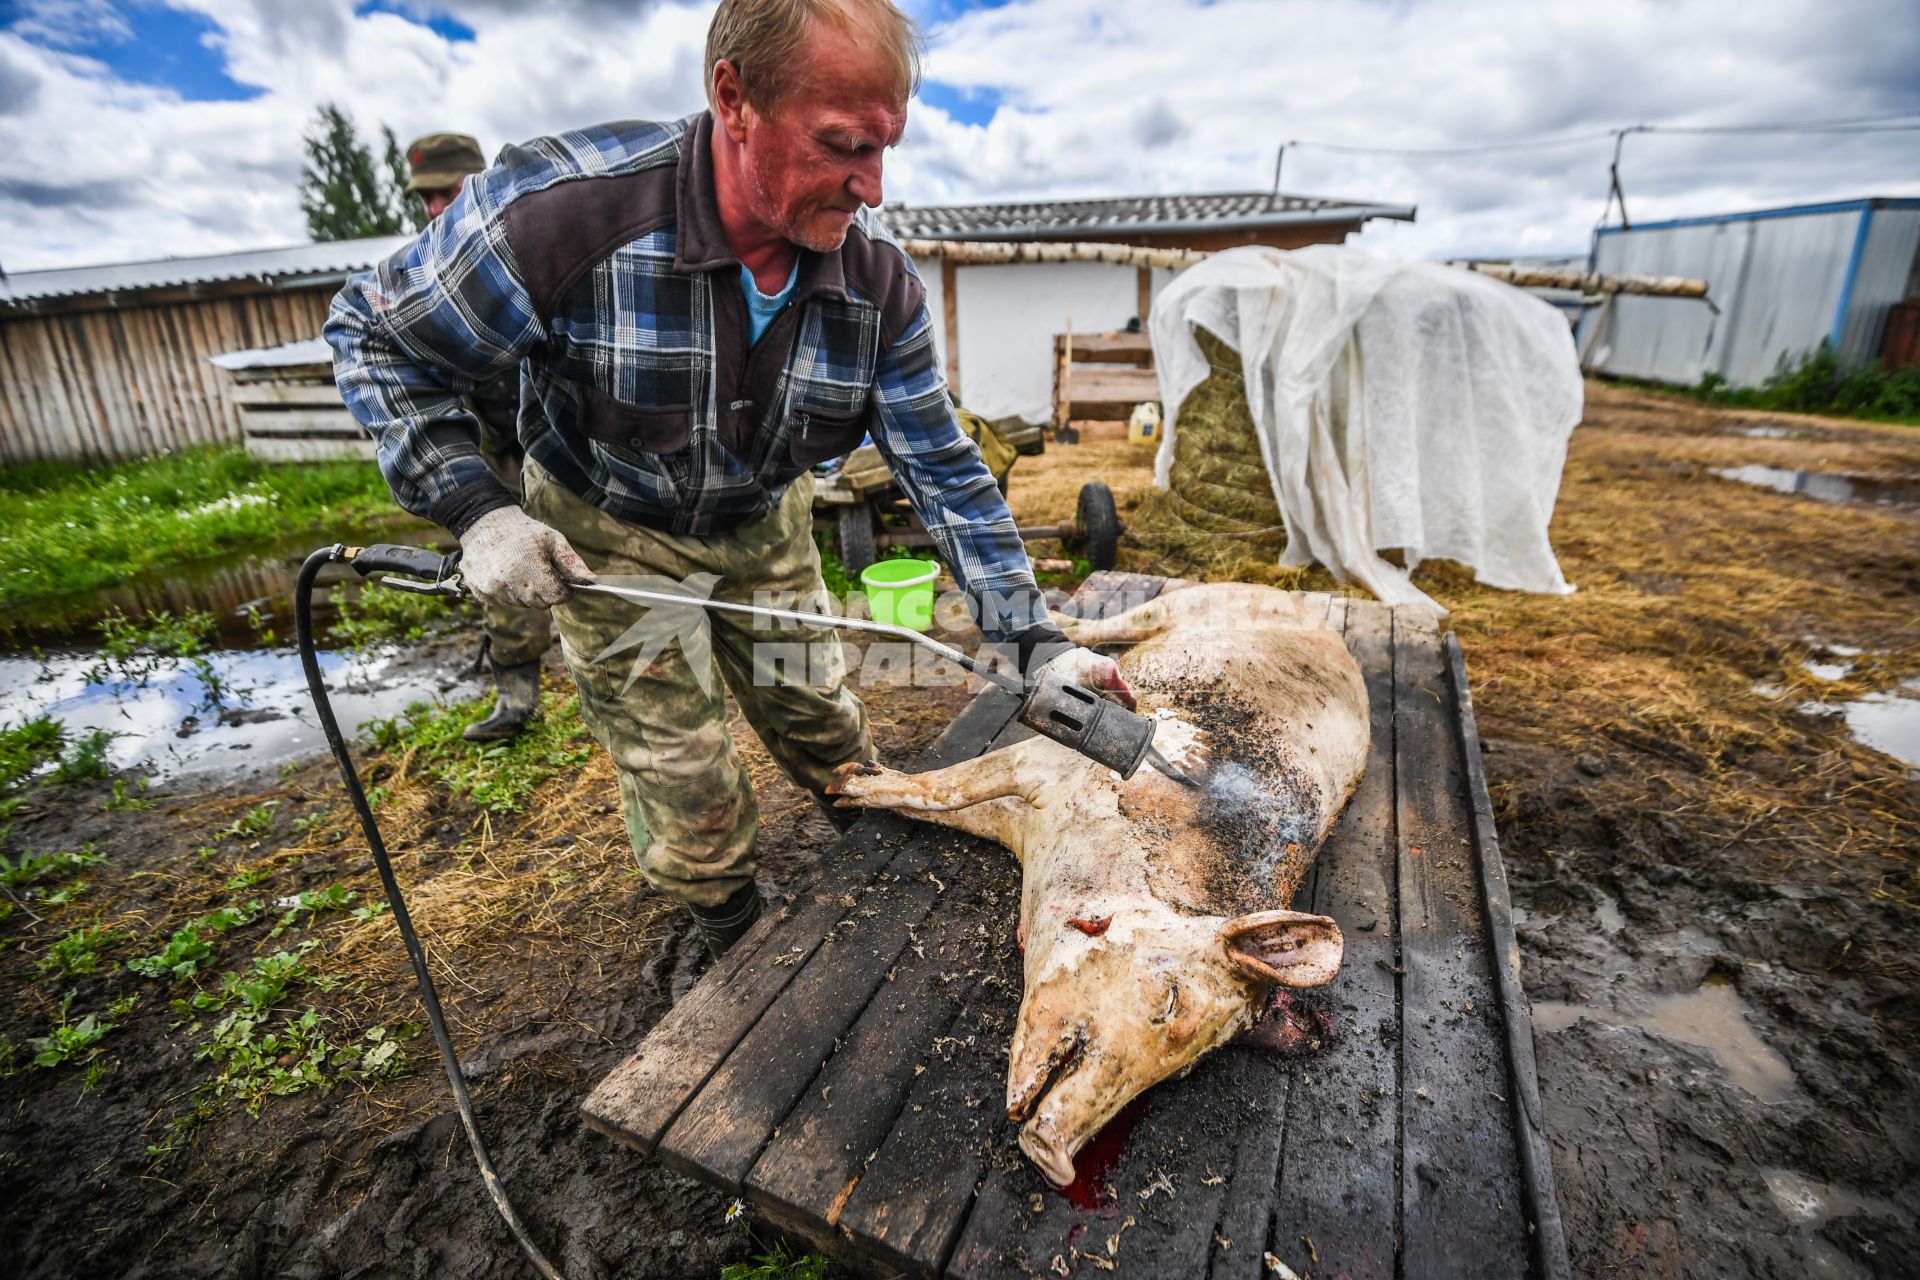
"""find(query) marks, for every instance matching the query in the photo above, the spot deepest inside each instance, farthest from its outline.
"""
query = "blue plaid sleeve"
(414, 335)
(949, 486)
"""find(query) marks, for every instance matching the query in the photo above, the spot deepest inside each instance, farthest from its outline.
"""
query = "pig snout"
(1107, 1016)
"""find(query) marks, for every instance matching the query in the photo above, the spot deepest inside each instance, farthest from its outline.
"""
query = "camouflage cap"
(442, 159)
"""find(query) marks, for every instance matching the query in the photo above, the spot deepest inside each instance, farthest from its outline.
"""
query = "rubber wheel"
(857, 550)
(1099, 522)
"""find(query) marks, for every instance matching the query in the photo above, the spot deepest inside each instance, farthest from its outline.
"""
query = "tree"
(344, 195)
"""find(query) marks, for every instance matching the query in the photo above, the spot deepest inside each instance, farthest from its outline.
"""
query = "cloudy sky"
(148, 128)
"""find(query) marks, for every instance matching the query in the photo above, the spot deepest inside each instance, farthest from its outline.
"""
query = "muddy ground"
(1717, 887)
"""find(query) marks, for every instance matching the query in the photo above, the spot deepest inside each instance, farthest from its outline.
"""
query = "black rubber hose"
(310, 662)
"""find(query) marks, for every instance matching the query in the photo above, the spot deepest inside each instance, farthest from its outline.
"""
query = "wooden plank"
(907, 1209)
(1116, 346)
(1107, 592)
(1544, 1227)
(1098, 385)
(950, 306)
(822, 1146)
(285, 422)
(721, 1131)
(1459, 1190)
(1339, 1178)
(1143, 301)
(641, 1097)
(324, 394)
(278, 449)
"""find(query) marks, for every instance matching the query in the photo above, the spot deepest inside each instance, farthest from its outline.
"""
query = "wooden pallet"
(298, 416)
(1100, 377)
(843, 1068)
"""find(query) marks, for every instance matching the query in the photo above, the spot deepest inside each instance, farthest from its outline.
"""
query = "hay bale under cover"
(1218, 513)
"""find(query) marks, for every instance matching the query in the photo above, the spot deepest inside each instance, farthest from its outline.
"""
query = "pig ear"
(1283, 948)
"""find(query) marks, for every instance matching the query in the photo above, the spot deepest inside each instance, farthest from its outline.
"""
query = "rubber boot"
(518, 698)
(723, 925)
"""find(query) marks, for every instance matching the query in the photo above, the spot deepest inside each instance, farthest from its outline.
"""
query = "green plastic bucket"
(900, 592)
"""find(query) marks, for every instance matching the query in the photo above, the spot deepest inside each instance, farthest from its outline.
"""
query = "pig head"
(1103, 1018)
(1153, 928)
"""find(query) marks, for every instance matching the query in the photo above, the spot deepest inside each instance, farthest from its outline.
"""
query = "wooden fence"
(117, 383)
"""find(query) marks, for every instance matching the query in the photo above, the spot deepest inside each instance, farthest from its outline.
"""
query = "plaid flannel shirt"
(595, 262)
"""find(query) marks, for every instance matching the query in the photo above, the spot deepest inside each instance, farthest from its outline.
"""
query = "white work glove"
(508, 557)
(1089, 670)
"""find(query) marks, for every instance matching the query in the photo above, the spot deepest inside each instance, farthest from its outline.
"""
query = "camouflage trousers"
(515, 636)
(659, 710)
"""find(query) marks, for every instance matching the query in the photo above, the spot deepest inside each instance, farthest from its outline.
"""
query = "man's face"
(438, 198)
(816, 158)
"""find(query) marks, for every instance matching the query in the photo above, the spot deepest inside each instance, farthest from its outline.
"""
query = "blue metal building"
(1785, 281)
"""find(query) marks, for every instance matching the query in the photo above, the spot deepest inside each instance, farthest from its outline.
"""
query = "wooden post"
(1146, 295)
(950, 304)
(1593, 338)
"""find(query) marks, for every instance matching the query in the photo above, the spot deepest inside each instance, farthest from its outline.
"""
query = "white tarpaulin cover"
(1398, 404)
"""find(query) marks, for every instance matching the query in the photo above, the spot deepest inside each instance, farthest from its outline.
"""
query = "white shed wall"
(1008, 316)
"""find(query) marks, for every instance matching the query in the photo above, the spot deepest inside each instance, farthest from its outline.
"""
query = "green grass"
(382, 613)
(26, 747)
(71, 528)
(1820, 383)
(30, 868)
(188, 951)
(81, 951)
(499, 776)
(782, 1263)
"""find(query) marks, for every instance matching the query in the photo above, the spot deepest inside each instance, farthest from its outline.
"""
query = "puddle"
(1807, 1203)
(262, 719)
(1709, 1018)
(1606, 913)
(221, 586)
(1770, 431)
(1888, 722)
(243, 704)
(1830, 486)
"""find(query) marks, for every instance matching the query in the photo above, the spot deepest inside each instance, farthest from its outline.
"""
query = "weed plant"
(68, 1041)
(370, 615)
(76, 527)
(499, 776)
(781, 1263)
(1819, 382)
(81, 951)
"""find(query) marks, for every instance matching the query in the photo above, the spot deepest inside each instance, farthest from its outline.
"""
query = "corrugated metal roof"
(1056, 219)
(331, 258)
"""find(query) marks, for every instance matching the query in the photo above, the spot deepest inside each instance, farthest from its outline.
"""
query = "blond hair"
(763, 40)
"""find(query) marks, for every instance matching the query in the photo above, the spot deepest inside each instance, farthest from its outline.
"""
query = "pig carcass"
(1152, 915)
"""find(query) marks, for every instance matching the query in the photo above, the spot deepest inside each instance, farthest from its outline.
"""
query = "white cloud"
(1097, 98)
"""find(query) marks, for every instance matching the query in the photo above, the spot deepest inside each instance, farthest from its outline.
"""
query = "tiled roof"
(1145, 215)
(1036, 220)
(330, 258)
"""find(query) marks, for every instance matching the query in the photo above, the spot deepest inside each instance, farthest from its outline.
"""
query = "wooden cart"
(843, 1068)
(864, 503)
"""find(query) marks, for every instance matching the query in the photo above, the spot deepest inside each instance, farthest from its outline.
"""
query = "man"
(513, 638)
(705, 308)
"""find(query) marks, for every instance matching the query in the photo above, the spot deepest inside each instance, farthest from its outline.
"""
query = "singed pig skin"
(1260, 701)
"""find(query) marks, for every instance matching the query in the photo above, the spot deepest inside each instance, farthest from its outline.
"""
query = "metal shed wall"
(1884, 276)
(1785, 280)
